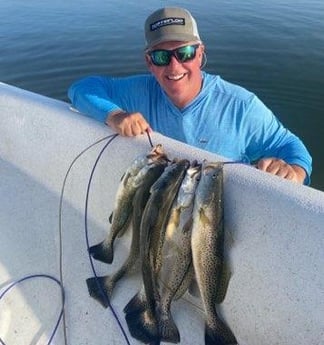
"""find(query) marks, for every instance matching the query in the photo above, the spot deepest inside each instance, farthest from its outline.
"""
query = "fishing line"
(60, 219)
(149, 137)
(39, 276)
(111, 138)
(87, 239)
(60, 282)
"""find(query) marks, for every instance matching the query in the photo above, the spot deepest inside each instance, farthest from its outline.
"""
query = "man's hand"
(280, 168)
(127, 124)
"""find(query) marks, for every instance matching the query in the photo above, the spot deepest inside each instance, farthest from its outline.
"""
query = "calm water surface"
(275, 49)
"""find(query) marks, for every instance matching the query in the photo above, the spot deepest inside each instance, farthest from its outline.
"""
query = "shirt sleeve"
(91, 97)
(271, 139)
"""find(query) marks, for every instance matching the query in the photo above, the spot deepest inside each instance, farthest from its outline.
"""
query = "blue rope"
(39, 276)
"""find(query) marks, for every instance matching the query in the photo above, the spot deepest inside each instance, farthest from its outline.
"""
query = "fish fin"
(221, 335)
(155, 342)
(194, 288)
(143, 327)
(187, 279)
(168, 330)
(124, 229)
(213, 338)
(203, 217)
(122, 176)
(111, 217)
(102, 252)
(136, 305)
(99, 290)
(223, 284)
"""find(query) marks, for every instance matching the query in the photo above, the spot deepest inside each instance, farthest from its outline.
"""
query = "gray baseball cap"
(170, 24)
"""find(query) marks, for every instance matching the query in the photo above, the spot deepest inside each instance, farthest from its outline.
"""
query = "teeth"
(175, 77)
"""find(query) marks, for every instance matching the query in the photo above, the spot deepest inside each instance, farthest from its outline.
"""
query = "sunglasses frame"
(172, 52)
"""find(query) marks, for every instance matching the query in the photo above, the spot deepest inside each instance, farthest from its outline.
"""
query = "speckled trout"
(153, 172)
(177, 271)
(207, 249)
(123, 208)
(140, 311)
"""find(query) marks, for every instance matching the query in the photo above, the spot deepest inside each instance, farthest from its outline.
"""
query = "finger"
(134, 128)
(128, 126)
(140, 126)
(137, 128)
(126, 129)
(263, 164)
(291, 175)
(145, 127)
(276, 166)
(149, 130)
(282, 171)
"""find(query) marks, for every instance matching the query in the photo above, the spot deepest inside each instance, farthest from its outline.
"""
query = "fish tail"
(219, 336)
(100, 288)
(213, 338)
(136, 305)
(155, 342)
(168, 330)
(103, 252)
(143, 327)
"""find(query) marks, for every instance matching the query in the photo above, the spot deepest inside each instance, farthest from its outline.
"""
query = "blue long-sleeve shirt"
(223, 118)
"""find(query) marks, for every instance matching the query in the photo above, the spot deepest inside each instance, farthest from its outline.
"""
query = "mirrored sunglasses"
(162, 57)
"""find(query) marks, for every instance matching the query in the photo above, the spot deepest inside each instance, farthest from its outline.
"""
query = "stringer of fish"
(178, 235)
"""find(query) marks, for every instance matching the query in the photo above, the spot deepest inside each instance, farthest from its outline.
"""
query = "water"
(275, 49)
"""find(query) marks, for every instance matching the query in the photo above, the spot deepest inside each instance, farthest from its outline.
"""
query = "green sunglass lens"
(161, 57)
(186, 53)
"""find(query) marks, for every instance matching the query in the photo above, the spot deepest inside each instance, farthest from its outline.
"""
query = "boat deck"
(274, 236)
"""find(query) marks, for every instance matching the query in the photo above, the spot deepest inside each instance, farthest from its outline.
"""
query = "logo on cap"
(167, 21)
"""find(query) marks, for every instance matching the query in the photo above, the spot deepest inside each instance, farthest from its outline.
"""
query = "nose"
(174, 61)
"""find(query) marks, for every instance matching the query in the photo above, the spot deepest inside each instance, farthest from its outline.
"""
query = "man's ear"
(148, 61)
(202, 51)
(202, 57)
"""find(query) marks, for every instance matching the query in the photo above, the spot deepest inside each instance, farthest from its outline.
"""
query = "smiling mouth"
(176, 77)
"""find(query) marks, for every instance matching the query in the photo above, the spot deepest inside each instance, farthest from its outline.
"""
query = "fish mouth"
(158, 153)
(157, 150)
(195, 163)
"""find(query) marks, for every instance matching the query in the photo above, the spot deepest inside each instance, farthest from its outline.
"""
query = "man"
(181, 101)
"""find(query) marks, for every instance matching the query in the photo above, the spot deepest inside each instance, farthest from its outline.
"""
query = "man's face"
(180, 80)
